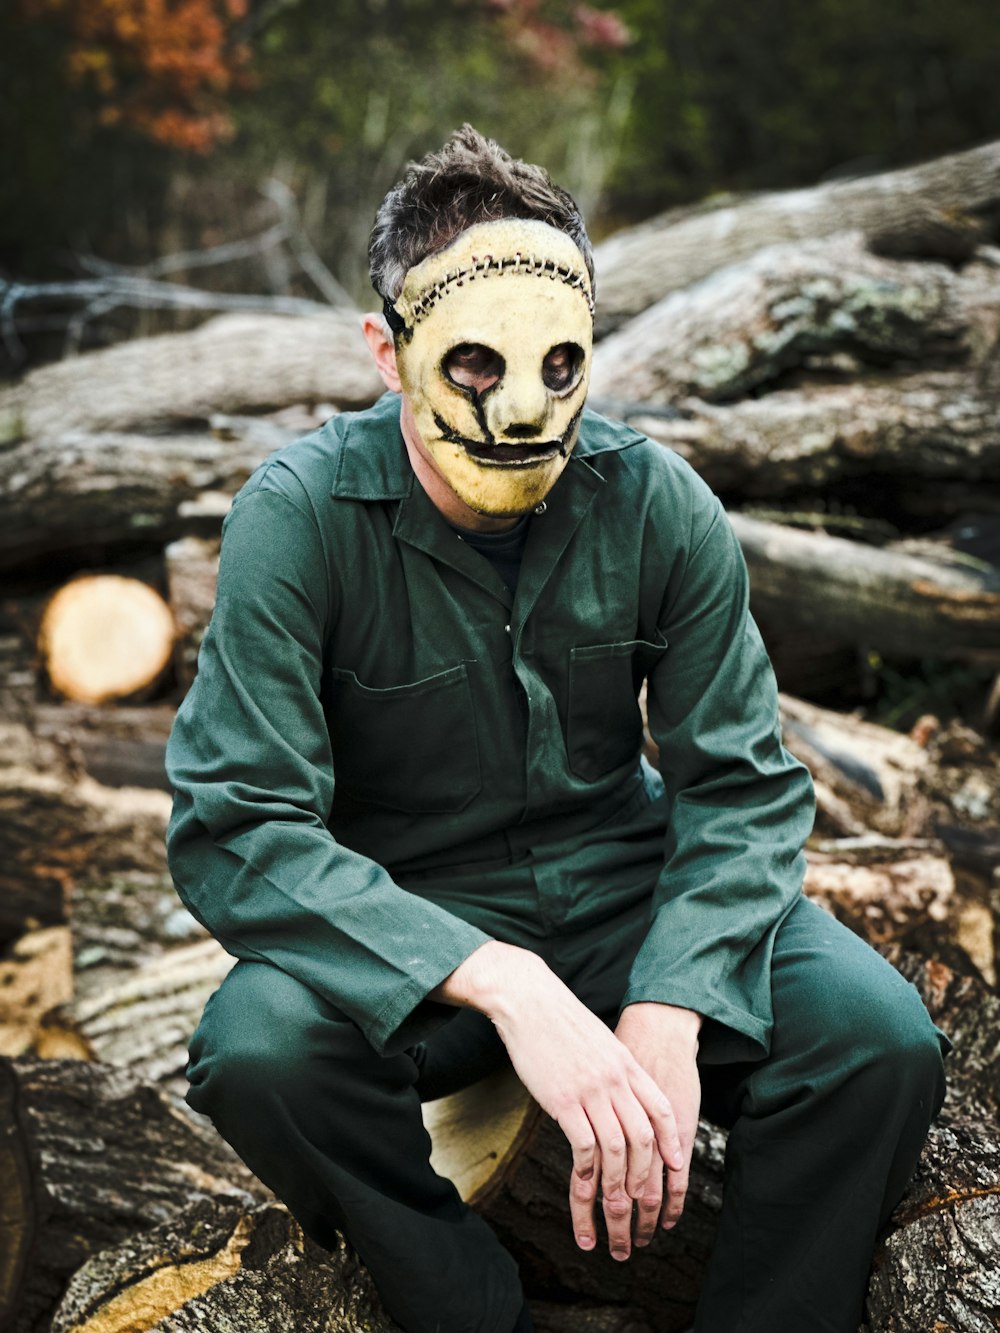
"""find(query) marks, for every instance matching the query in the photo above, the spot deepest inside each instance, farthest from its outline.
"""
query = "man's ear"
(379, 340)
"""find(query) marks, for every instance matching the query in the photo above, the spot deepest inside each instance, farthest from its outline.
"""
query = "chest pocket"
(410, 747)
(603, 721)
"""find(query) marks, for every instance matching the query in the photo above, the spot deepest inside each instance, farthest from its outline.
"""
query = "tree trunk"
(73, 492)
(969, 1013)
(235, 363)
(883, 889)
(105, 637)
(940, 210)
(192, 570)
(936, 1272)
(913, 431)
(89, 1159)
(36, 976)
(900, 604)
(780, 310)
(122, 746)
(59, 829)
(225, 1270)
(143, 1020)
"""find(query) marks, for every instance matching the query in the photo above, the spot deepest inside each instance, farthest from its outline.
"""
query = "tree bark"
(936, 1272)
(225, 1270)
(900, 604)
(775, 312)
(940, 210)
(59, 829)
(915, 431)
(192, 570)
(969, 1013)
(143, 1020)
(72, 492)
(236, 363)
(90, 1158)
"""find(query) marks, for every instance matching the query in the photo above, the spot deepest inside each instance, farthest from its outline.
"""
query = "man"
(409, 799)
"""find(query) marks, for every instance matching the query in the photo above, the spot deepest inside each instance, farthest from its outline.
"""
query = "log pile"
(829, 360)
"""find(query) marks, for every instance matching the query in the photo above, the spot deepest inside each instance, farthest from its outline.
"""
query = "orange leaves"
(162, 67)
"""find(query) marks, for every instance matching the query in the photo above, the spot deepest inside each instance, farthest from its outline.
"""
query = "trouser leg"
(335, 1130)
(824, 1135)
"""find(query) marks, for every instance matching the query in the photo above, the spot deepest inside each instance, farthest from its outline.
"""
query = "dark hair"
(471, 179)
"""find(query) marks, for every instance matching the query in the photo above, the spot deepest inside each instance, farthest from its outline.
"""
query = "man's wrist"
(488, 979)
(683, 1024)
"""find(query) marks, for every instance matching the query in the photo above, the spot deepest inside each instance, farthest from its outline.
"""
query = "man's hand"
(619, 1123)
(664, 1041)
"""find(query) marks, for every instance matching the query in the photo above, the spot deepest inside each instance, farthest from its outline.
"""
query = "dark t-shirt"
(502, 549)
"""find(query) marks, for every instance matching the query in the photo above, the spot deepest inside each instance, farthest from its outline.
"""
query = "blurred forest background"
(138, 129)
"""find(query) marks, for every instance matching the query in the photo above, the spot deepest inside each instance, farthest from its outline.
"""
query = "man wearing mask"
(410, 801)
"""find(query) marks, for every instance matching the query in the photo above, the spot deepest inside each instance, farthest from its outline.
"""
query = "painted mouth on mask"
(513, 455)
(505, 454)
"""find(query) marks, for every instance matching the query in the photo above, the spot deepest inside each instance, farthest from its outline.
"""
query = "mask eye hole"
(562, 367)
(473, 366)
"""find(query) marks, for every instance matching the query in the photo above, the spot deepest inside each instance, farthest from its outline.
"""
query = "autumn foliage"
(162, 67)
(553, 38)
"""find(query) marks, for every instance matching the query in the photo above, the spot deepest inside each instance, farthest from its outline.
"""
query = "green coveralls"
(488, 785)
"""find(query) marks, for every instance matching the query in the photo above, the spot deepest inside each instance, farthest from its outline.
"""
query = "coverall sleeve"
(739, 806)
(250, 761)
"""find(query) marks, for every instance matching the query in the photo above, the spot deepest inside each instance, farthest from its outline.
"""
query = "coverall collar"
(374, 466)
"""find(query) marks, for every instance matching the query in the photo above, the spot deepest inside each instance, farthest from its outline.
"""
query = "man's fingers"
(648, 1207)
(673, 1202)
(615, 1199)
(664, 1122)
(640, 1141)
(584, 1177)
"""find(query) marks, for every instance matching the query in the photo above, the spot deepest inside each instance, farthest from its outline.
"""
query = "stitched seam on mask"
(488, 267)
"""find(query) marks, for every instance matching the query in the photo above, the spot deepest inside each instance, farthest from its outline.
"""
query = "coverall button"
(541, 508)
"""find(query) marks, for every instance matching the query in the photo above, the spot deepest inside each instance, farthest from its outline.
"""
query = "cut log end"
(105, 637)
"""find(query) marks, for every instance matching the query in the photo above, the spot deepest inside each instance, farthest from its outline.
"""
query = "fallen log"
(122, 746)
(876, 772)
(235, 363)
(751, 322)
(903, 605)
(936, 1271)
(882, 888)
(515, 1168)
(905, 891)
(969, 1013)
(74, 492)
(192, 569)
(143, 1021)
(59, 828)
(89, 1159)
(215, 1267)
(105, 637)
(907, 431)
(939, 209)
(512, 1163)
(36, 977)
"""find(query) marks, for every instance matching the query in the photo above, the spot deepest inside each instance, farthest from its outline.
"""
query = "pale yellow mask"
(494, 355)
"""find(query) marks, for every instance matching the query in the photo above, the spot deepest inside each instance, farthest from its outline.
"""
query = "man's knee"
(259, 1034)
(904, 1051)
(848, 1015)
